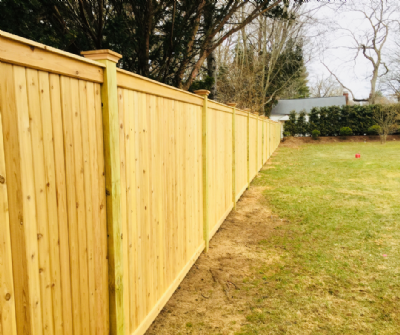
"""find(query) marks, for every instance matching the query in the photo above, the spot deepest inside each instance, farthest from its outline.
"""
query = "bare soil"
(212, 299)
(292, 142)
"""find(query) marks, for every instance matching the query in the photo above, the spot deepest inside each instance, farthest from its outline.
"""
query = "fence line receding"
(111, 186)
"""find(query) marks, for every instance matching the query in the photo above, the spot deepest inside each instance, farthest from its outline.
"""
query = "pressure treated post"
(257, 143)
(206, 152)
(109, 100)
(248, 146)
(233, 105)
(270, 138)
(262, 141)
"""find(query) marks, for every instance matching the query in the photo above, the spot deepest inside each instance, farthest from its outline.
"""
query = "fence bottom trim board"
(220, 222)
(238, 196)
(168, 293)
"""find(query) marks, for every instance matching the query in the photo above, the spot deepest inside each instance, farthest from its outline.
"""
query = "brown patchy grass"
(215, 297)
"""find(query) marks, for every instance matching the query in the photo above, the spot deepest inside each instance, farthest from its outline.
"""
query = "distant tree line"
(330, 120)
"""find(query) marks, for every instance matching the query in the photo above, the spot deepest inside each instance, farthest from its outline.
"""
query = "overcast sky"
(331, 46)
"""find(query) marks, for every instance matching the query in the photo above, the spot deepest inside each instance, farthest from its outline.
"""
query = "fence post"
(262, 141)
(109, 99)
(270, 138)
(206, 152)
(257, 143)
(233, 105)
(248, 146)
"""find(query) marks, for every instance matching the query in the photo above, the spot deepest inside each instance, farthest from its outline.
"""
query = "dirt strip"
(210, 299)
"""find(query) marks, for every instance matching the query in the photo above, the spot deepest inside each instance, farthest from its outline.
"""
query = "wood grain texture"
(55, 187)
(24, 52)
(108, 193)
(8, 324)
(113, 189)
(28, 193)
(161, 164)
(8, 107)
(137, 83)
(220, 166)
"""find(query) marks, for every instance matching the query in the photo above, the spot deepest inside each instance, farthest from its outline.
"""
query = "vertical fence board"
(50, 190)
(102, 296)
(131, 115)
(61, 196)
(7, 301)
(86, 109)
(8, 94)
(66, 95)
(41, 200)
(123, 132)
(29, 199)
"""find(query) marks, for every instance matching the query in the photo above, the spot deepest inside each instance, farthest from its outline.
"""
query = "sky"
(332, 45)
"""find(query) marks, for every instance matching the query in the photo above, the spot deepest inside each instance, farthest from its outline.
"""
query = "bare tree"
(390, 83)
(262, 60)
(322, 87)
(386, 118)
(378, 16)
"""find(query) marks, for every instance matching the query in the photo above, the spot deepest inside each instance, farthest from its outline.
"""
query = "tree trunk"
(372, 95)
(146, 20)
(212, 72)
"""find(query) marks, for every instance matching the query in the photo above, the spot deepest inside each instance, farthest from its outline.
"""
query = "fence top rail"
(241, 112)
(220, 106)
(253, 116)
(21, 51)
(135, 82)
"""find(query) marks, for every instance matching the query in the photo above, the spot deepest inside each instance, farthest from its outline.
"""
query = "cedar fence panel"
(52, 133)
(220, 165)
(161, 194)
(111, 186)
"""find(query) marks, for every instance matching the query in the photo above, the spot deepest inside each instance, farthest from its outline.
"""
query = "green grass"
(343, 216)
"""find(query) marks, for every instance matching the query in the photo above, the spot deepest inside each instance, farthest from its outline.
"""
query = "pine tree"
(290, 125)
(313, 120)
(333, 120)
(301, 125)
(324, 121)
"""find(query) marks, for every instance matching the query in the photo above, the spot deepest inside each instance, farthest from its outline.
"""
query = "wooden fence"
(111, 186)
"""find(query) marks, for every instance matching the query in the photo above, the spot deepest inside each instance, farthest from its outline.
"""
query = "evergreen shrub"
(346, 131)
(329, 120)
(374, 130)
(290, 125)
(315, 134)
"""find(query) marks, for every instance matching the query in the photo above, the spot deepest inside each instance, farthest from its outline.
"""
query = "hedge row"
(329, 120)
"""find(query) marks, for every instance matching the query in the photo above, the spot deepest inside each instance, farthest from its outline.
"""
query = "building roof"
(284, 107)
(279, 117)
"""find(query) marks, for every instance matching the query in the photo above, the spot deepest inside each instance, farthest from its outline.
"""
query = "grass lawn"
(339, 265)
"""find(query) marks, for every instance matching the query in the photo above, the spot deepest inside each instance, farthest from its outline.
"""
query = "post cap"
(232, 104)
(105, 54)
(202, 92)
(247, 109)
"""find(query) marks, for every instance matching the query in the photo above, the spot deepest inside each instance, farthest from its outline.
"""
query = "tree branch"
(338, 80)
